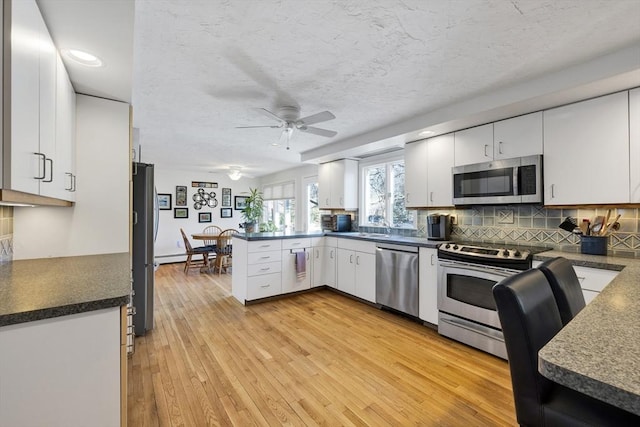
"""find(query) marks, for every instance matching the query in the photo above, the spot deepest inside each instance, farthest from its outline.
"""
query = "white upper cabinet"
(518, 137)
(428, 166)
(474, 145)
(634, 145)
(338, 185)
(26, 28)
(585, 152)
(41, 145)
(415, 169)
(440, 155)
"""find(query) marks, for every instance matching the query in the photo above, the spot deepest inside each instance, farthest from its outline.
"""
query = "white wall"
(169, 246)
(99, 221)
(298, 175)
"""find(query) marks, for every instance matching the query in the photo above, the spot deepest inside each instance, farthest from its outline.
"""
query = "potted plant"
(252, 212)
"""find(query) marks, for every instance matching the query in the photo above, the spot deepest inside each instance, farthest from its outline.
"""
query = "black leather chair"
(530, 318)
(565, 287)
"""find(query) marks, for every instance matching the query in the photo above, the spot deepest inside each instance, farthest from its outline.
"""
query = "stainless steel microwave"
(517, 180)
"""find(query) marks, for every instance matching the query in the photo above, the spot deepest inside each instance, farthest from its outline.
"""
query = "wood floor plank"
(317, 358)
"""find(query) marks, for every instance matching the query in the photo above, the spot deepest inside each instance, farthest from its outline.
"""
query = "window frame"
(386, 160)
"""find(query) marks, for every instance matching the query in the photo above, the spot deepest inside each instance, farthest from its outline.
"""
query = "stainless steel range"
(466, 276)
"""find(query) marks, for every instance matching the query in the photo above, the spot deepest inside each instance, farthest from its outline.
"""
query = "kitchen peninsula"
(597, 352)
(63, 339)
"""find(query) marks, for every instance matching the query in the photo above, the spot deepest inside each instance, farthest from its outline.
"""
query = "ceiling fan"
(290, 121)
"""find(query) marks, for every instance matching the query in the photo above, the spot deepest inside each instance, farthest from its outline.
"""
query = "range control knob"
(517, 254)
(447, 246)
(455, 247)
(505, 253)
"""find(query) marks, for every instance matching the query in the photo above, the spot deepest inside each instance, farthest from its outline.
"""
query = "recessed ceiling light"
(275, 144)
(82, 57)
(426, 133)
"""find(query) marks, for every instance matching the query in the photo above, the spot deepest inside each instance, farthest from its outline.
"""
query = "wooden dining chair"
(214, 230)
(191, 251)
(223, 250)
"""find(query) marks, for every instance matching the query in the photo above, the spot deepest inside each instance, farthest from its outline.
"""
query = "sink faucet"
(387, 227)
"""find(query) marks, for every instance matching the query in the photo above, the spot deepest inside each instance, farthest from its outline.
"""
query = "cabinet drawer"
(296, 243)
(262, 257)
(594, 279)
(265, 268)
(265, 245)
(357, 245)
(331, 242)
(264, 286)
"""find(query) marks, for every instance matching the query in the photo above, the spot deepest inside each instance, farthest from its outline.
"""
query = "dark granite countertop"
(51, 287)
(277, 235)
(597, 352)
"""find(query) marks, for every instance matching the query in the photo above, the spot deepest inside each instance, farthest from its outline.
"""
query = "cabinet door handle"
(74, 182)
(553, 193)
(44, 166)
(265, 269)
(485, 150)
(350, 259)
(580, 279)
(500, 147)
(70, 175)
(331, 254)
(50, 172)
(307, 255)
(358, 260)
(431, 196)
(317, 254)
(327, 201)
(432, 257)
(407, 198)
(295, 244)
(265, 257)
(265, 246)
(341, 201)
(264, 286)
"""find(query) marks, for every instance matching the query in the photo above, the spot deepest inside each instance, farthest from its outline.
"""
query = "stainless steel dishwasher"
(397, 277)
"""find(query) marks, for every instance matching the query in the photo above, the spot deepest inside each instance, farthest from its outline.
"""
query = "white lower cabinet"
(63, 371)
(428, 285)
(324, 256)
(357, 268)
(592, 280)
(293, 278)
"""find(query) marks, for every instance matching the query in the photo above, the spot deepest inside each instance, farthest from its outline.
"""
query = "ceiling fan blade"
(316, 118)
(249, 127)
(318, 131)
(270, 114)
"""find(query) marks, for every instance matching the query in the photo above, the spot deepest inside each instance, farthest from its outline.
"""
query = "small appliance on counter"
(438, 226)
(340, 222)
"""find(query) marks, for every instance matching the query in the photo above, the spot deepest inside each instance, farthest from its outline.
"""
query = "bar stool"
(530, 318)
(565, 287)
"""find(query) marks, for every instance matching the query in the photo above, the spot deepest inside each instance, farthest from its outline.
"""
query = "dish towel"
(301, 264)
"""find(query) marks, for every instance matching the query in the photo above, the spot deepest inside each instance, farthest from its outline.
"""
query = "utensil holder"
(594, 245)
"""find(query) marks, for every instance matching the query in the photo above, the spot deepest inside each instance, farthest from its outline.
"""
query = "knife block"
(594, 245)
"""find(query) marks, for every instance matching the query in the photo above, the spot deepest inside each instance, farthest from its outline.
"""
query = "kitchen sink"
(374, 235)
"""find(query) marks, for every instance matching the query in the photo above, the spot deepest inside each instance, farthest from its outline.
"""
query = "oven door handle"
(473, 267)
(463, 325)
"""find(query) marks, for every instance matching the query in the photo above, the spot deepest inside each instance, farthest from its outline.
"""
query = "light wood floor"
(318, 358)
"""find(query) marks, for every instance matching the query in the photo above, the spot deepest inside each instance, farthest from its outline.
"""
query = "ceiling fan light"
(234, 174)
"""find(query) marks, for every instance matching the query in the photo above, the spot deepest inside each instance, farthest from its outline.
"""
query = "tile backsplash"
(6, 233)
(537, 226)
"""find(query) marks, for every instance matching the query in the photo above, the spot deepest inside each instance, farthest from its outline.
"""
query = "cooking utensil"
(603, 228)
(597, 225)
(569, 224)
(611, 225)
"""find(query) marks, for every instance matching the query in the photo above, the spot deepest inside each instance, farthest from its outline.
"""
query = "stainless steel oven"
(466, 276)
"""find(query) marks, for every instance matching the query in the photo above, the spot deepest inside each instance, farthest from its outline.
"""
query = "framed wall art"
(164, 202)
(181, 195)
(240, 202)
(226, 213)
(204, 217)
(181, 212)
(226, 197)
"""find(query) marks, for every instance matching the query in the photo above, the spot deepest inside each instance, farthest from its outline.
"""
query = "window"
(383, 196)
(312, 212)
(279, 213)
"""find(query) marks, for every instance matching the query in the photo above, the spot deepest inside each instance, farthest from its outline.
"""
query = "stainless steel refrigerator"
(143, 239)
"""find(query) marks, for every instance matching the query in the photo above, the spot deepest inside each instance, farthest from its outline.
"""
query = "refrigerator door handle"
(135, 217)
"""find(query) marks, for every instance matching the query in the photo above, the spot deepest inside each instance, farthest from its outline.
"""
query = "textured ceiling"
(202, 67)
